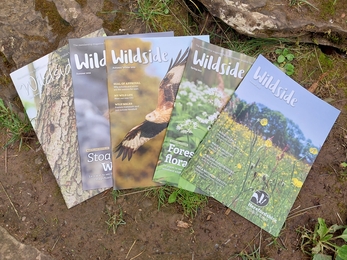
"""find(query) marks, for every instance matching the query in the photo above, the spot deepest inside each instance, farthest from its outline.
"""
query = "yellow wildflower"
(313, 150)
(268, 143)
(239, 166)
(297, 182)
(263, 121)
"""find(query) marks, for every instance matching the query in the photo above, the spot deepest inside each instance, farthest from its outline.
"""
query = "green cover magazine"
(143, 77)
(257, 154)
(210, 77)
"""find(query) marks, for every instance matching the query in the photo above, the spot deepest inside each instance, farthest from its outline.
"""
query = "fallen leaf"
(314, 86)
(182, 224)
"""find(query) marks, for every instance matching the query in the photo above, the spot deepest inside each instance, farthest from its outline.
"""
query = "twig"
(282, 243)
(315, 50)
(130, 249)
(303, 211)
(203, 28)
(338, 216)
(9, 200)
(139, 191)
(137, 255)
(252, 240)
(105, 193)
(6, 169)
(260, 236)
(55, 244)
(225, 35)
(333, 169)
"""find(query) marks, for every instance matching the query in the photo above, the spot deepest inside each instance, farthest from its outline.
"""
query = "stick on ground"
(9, 200)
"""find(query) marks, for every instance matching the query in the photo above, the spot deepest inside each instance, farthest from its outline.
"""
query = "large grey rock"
(83, 20)
(29, 31)
(26, 34)
(315, 22)
(11, 249)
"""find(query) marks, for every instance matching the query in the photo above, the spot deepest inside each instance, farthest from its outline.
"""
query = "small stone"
(38, 160)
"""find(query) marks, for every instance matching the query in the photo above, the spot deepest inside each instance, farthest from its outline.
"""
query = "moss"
(59, 26)
(334, 37)
(170, 22)
(325, 62)
(114, 24)
(157, 21)
(342, 208)
(112, 19)
(314, 66)
(4, 79)
(82, 3)
(5, 67)
(327, 9)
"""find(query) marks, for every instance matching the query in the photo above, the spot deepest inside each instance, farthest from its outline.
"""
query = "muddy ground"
(33, 210)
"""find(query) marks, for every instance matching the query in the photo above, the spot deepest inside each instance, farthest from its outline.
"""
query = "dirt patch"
(131, 226)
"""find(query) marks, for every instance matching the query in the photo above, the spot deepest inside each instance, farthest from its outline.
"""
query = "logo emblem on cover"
(260, 198)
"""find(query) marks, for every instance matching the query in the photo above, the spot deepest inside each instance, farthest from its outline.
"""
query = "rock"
(82, 19)
(27, 34)
(24, 32)
(29, 31)
(68, 10)
(314, 22)
(10, 248)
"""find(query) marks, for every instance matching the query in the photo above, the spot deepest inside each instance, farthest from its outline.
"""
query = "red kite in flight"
(157, 120)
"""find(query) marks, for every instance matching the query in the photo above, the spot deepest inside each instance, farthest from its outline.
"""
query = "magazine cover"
(143, 77)
(44, 87)
(259, 151)
(210, 77)
(89, 78)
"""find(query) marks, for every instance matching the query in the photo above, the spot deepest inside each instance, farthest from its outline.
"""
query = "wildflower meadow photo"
(257, 154)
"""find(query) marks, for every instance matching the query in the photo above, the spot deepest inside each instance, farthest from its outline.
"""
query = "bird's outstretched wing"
(136, 137)
(168, 89)
(169, 85)
(157, 120)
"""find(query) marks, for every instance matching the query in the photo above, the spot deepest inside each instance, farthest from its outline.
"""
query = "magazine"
(257, 154)
(211, 75)
(143, 77)
(89, 80)
(44, 87)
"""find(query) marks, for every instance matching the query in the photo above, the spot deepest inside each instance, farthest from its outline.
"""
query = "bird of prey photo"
(157, 120)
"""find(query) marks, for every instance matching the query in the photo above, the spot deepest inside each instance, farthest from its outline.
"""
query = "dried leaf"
(314, 86)
(182, 224)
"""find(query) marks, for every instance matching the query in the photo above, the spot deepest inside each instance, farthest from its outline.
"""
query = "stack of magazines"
(142, 110)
